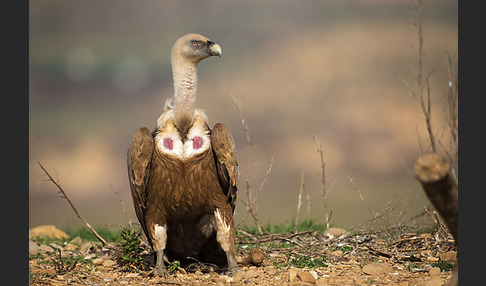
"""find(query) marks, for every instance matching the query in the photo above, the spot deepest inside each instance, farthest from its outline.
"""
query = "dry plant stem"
(323, 179)
(299, 202)
(423, 93)
(368, 207)
(452, 110)
(250, 199)
(436, 220)
(64, 196)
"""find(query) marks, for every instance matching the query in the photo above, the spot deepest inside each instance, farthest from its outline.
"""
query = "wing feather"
(139, 158)
(227, 164)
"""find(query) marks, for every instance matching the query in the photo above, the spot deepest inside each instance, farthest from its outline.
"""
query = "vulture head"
(187, 52)
(194, 48)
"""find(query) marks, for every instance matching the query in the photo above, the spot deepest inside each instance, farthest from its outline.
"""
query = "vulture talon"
(161, 272)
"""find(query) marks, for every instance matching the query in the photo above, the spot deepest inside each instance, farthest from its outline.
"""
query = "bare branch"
(368, 207)
(299, 202)
(250, 198)
(64, 196)
(323, 178)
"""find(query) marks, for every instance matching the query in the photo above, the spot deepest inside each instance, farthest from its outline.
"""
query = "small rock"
(109, 263)
(270, 270)
(33, 247)
(45, 248)
(448, 256)
(55, 245)
(98, 261)
(432, 259)
(377, 268)
(435, 281)
(238, 277)
(221, 279)
(47, 231)
(252, 273)
(76, 241)
(257, 256)
(110, 277)
(434, 272)
(90, 256)
(87, 246)
(334, 232)
(132, 275)
(337, 253)
(305, 276)
(293, 274)
(70, 247)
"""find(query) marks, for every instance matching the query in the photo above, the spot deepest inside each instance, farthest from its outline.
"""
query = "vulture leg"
(225, 235)
(159, 240)
(160, 269)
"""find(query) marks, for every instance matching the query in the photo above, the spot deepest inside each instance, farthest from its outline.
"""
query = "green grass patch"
(301, 261)
(306, 225)
(344, 249)
(109, 234)
(443, 265)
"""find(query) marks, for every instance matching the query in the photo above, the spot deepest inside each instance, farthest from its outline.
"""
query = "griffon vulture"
(183, 175)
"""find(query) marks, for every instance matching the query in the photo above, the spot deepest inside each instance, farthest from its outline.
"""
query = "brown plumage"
(183, 175)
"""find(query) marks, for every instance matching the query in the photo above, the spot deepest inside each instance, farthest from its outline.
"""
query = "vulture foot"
(160, 269)
(232, 266)
(233, 270)
(161, 272)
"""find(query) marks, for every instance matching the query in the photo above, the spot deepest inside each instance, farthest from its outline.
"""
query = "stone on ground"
(377, 268)
(47, 231)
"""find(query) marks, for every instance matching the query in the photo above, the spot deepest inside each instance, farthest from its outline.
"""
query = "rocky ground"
(306, 258)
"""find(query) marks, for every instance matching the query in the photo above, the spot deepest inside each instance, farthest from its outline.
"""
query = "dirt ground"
(305, 258)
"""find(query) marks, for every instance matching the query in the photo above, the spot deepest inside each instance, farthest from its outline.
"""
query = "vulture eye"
(194, 43)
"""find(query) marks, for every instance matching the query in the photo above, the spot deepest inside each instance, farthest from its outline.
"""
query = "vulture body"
(183, 175)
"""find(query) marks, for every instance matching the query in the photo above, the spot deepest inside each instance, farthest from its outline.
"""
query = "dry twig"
(60, 266)
(275, 236)
(323, 179)
(368, 207)
(64, 196)
(251, 199)
(299, 203)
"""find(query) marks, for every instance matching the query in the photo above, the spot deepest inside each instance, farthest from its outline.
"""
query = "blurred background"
(337, 70)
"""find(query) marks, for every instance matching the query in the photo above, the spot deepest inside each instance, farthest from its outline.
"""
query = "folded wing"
(226, 162)
(139, 158)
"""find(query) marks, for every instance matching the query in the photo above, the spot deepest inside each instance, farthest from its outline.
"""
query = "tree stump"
(433, 173)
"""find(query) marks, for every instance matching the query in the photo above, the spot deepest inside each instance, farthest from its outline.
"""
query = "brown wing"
(139, 157)
(227, 165)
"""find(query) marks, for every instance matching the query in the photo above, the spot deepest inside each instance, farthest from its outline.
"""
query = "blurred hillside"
(99, 70)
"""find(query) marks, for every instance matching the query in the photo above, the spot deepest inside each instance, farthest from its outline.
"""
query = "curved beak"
(214, 49)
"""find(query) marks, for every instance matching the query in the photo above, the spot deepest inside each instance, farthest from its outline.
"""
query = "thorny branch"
(64, 196)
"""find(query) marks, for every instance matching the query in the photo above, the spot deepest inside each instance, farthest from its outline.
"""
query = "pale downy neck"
(185, 89)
